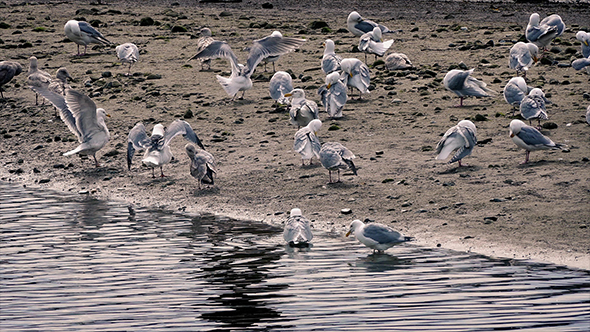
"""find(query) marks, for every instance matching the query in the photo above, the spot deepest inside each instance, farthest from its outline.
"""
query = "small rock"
(44, 181)
(346, 211)
(188, 114)
(267, 5)
(154, 77)
(448, 184)
(491, 218)
(549, 125)
(318, 24)
(178, 28)
(83, 192)
(107, 74)
(497, 200)
(406, 204)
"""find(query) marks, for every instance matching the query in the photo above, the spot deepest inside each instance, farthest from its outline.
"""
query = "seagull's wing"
(65, 114)
(469, 139)
(302, 138)
(270, 46)
(529, 107)
(182, 127)
(382, 234)
(84, 111)
(366, 26)
(128, 52)
(92, 33)
(136, 140)
(331, 63)
(219, 49)
(533, 137)
(580, 64)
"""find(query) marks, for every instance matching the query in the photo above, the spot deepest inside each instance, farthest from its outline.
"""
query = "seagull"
(523, 56)
(515, 91)
(297, 231)
(335, 156)
(83, 119)
(395, 61)
(355, 74)
(359, 26)
(203, 43)
(37, 79)
(202, 164)
(307, 143)
(240, 77)
(58, 86)
(588, 115)
(531, 139)
(372, 43)
(272, 59)
(460, 138)
(128, 53)
(330, 60)
(280, 84)
(542, 33)
(580, 64)
(82, 33)
(8, 70)
(463, 84)
(584, 38)
(333, 95)
(533, 106)
(302, 110)
(376, 236)
(157, 148)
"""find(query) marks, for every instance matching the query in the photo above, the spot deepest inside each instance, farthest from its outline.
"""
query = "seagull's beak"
(350, 74)
(290, 94)
(108, 115)
(511, 134)
(348, 233)
(329, 85)
(535, 59)
(585, 43)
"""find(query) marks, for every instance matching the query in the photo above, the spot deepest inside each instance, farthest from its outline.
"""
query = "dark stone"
(178, 28)
(146, 21)
(107, 74)
(44, 181)
(549, 125)
(188, 114)
(111, 153)
(267, 5)
(480, 117)
(154, 76)
(318, 24)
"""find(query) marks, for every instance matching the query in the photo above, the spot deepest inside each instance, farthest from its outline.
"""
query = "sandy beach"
(494, 206)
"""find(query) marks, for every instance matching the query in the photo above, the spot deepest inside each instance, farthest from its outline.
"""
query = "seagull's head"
(190, 149)
(206, 32)
(315, 126)
(295, 212)
(582, 37)
(354, 225)
(515, 126)
(534, 19)
(354, 17)
(276, 34)
(296, 94)
(332, 78)
(534, 51)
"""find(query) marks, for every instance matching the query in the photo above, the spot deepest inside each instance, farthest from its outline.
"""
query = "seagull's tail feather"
(226, 84)
(351, 165)
(76, 150)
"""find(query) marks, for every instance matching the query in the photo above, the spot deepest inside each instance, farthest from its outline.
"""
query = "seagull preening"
(297, 231)
(461, 138)
(358, 26)
(515, 91)
(372, 43)
(128, 53)
(463, 85)
(532, 106)
(584, 38)
(333, 95)
(82, 33)
(8, 70)
(334, 157)
(280, 84)
(396, 61)
(330, 60)
(302, 111)
(306, 142)
(523, 56)
(376, 236)
(157, 148)
(543, 32)
(239, 79)
(202, 166)
(355, 74)
(83, 119)
(530, 139)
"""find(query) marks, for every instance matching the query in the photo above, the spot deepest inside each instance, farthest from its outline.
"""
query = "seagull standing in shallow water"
(376, 236)
(297, 232)
(157, 148)
(239, 79)
(82, 33)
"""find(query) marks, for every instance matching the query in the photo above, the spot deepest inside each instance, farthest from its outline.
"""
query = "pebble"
(497, 200)
(406, 204)
(346, 211)
(44, 181)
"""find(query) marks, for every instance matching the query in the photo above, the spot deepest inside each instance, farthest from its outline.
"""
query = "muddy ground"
(495, 206)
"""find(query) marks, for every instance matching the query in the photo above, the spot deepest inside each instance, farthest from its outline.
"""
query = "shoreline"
(537, 211)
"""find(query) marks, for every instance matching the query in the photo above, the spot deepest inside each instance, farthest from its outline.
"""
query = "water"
(69, 264)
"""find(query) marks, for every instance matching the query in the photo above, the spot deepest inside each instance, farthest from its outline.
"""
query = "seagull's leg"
(85, 47)
(153, 174)
(330, 175)
(36, 99)
(95, 161)
(338, 175)
(1, 94)
(526, 158)
(459, 163)
(365, 58)
(461, 103)
(243, 93)
(273, 68)
(302, 162)
(162, 172)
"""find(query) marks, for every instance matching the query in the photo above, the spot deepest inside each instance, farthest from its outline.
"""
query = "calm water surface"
(71, 264)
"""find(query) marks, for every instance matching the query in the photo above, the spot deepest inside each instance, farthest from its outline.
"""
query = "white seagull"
(461, 138)
(333, 95)
(202, 165)
(302, 110)
(515, 91)
(580, 64)
(530, 139)
(239, 79)
(157, 148)
(306, 141)
(330, 60)
(376, 236)
(297, 232)
(359, 26)
(372, 43)
(523, 56)
(396, 61)
(584, 38)
(533, 106)
(8, 70)
(334, 157)
(355, 74)
(82, 33)
(37, 79)
(280, 84)
(543, 32)
(128, 53)
(463, 84)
